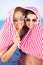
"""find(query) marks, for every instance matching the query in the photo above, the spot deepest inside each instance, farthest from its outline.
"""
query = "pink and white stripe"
(32, 41)
(8, 32)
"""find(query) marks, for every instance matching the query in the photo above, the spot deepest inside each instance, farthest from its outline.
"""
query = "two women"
(28, 44)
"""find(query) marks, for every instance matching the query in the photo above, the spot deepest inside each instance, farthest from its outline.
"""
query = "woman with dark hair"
(31, 44)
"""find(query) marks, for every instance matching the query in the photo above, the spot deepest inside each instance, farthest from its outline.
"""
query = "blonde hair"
(19, 9)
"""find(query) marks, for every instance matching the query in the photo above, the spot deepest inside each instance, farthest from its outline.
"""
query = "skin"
(31, 60)
(7, 55)
(18, 25)
(30, 24)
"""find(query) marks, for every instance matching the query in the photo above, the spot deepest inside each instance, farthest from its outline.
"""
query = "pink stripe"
(7, 33)
(32, 42)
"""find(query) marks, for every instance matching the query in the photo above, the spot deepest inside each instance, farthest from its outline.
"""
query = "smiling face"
(31, 20)
(18, 20)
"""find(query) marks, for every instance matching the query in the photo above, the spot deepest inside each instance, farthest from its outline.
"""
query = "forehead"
(18, 14)
(31, 15)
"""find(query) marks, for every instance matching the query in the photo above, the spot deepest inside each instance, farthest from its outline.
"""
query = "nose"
(18, 23)
(19, 20)
(31, 23)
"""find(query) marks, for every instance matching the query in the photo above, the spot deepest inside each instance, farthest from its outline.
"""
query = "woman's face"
(31, 20)
(18, 20)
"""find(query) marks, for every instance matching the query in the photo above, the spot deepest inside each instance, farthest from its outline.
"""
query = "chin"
(30, 27)
(19, 29)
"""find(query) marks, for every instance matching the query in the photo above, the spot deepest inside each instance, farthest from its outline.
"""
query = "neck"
(19, 32)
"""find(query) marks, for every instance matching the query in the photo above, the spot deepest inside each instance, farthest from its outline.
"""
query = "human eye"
(15, 20)
(34, 20)
(27, 19)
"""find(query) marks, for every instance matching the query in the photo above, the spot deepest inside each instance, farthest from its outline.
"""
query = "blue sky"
(6, 5)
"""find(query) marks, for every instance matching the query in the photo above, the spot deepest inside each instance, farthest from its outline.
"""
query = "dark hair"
(24, 31)
(28, 12)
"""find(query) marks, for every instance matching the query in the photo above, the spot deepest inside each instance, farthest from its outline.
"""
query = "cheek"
(15, 25)
(27, 24)
(34, 24)
(22, 23)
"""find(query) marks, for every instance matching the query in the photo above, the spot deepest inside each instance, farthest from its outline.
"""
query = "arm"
(10, 52)
(2, 52)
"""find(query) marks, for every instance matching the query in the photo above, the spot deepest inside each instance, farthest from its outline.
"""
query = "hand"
(16, 40)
